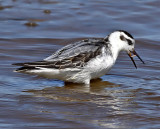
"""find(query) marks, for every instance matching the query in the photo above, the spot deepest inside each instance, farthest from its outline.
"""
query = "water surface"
(124, 98)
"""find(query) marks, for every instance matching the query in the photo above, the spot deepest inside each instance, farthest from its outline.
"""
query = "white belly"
(100, 66)
(95, 68)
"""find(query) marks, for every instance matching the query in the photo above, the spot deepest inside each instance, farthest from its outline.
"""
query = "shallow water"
(124, 98)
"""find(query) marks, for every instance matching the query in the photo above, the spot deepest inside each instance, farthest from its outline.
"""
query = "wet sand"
(124, 98)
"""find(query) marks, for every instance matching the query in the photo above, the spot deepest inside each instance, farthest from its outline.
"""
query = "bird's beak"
(134, 54)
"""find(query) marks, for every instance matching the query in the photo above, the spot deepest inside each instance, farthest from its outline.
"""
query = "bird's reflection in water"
(96, 86)
(98, 90)
(79, 102)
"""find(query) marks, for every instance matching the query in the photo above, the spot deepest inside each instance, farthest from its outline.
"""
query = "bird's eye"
(122, 38)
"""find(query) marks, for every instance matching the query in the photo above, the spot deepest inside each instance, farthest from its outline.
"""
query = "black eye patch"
(122, 38)
(129, 42)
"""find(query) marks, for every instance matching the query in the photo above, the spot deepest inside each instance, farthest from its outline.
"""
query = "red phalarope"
(84, 60)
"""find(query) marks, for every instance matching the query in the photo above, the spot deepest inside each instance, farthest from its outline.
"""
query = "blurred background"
(80, 18)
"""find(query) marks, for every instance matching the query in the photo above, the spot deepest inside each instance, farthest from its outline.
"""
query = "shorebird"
(84, 60)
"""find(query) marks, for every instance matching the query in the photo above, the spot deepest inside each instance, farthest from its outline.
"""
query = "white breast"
(100, 66)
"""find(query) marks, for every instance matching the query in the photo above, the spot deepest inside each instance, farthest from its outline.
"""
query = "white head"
(122, 41)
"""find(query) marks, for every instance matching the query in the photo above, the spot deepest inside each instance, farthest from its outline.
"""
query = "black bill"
(134, 54)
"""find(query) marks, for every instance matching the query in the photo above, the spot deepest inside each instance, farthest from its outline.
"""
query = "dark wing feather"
(72, 62)
(76, 48)
(71, 56)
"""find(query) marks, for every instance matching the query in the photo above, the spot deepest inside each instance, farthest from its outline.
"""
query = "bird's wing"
(75, 49)
(71, 56)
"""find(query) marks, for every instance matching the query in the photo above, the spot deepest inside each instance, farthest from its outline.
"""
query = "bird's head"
(123, 41)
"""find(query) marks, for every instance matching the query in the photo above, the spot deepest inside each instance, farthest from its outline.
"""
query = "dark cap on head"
(128, 34)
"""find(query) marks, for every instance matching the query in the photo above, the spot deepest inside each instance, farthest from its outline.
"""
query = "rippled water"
(124, 98)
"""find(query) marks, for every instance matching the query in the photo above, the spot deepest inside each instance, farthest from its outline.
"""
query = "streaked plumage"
(84, 60)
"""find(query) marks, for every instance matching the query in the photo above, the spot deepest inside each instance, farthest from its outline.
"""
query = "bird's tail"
(28, 66)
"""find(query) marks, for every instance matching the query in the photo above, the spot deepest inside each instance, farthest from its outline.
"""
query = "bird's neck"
(115, 51)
